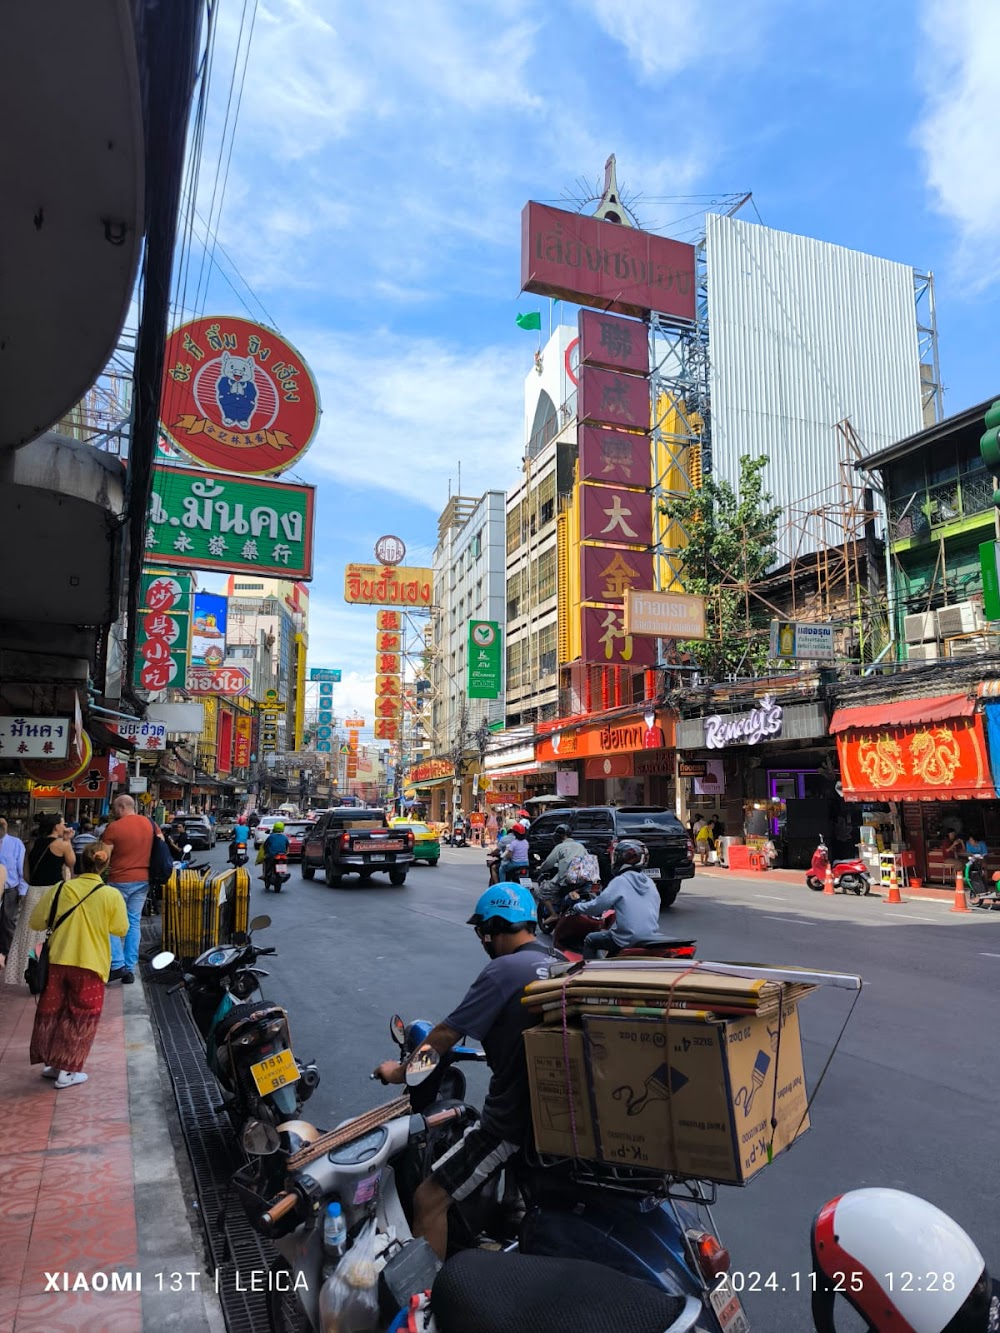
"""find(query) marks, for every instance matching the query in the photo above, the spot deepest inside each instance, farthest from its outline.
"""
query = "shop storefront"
(626, 760)
(919, 769)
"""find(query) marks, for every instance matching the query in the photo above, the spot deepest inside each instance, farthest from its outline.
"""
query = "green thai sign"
(485, 666)
(989, 563)
(212, 520)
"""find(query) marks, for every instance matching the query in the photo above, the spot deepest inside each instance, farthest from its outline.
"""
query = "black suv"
(352, 840)
(601, 827)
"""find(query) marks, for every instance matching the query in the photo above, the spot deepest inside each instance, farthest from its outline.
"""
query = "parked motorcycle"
(238, 854)
(980, 885)
(276, 872)
(848, 876)
(247, 1043)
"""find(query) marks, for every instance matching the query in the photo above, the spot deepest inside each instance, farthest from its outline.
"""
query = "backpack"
(583, 869)
(161, 863)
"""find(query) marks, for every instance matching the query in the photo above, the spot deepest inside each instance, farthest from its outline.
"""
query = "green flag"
(532, 320)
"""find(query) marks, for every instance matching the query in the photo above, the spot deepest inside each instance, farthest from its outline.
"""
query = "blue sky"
(383, 153)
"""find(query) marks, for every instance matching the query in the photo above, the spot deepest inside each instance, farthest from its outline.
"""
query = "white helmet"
(902, 1263)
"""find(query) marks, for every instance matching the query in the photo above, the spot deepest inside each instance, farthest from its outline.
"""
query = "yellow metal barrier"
(201, 910)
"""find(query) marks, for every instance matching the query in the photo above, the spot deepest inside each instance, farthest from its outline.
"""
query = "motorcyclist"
(491, 1012)
(176, 839)
(565, 851)
(514, 857)
(241, 834)
(631, 895)
(275, 844)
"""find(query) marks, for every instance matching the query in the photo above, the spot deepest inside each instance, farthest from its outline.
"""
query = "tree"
(730, 546)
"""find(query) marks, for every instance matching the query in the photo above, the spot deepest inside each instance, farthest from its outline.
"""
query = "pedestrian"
(87, 913)
(704, 842)
(85, 836)
(492, 828)
(50, 858)
(130, 837)
(14, 888)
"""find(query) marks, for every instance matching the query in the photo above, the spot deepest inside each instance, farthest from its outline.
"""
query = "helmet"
(278, 826)
(510, 902)
(562, 830)
(519, 830)
(864, 1241)
(631, 854)
(523, 814)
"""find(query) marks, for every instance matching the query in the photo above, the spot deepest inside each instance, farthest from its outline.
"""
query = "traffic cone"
(961, 902)
(828, 880)
(894, 896)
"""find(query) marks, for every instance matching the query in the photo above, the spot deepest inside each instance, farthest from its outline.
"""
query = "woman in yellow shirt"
(69, 1008)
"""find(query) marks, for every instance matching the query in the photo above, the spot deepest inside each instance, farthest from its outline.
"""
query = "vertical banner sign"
(485, 669)
(242, 746)
(164, 631)
(208, 634)
(388, 675)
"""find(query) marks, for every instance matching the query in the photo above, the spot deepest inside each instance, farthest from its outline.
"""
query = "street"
(907, 1102)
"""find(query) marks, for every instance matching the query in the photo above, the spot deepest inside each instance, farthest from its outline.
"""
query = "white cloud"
(663, 37)
(958, 134)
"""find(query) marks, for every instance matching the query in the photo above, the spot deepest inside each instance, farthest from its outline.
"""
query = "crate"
(201, 910)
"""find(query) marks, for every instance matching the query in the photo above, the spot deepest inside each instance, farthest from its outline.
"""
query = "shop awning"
(921, 759)
(904, 713)
(433, 782)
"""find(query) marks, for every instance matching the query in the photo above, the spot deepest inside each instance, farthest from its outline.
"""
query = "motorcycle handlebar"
(261, 952)
(445, 1117)
(278, 1210)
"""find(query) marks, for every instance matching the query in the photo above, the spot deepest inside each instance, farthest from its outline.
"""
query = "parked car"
(426, 842)
(200, 833)
(601, 827)
(355, 840)
(265, 826)
(296, 831)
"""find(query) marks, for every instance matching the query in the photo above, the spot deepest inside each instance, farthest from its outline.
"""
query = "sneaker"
(128, 976)
(70, 1080)
(49, 1071)
(115, 974)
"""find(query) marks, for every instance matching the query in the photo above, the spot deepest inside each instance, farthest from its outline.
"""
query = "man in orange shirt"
(131, 839)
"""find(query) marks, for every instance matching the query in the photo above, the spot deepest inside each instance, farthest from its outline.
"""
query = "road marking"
(774, 897)
(989, 955)
(789, 921)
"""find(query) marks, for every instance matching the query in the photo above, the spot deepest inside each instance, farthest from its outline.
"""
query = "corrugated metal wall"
(803, 334)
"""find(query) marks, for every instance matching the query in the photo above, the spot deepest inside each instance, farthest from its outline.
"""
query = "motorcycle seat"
(661, 941)
(494, 1292)
(245, 1015)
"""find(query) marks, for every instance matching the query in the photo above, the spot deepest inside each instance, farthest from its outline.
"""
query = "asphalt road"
(908, 1100)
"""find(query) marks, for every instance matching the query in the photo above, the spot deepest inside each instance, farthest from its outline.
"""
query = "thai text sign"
(485, 665)
(613, 400)
(429, 770)
(385, 585)
(146, 735)
(793, 641)
(164, 631)
(763, 723)
(614, 456)
(606, 641)
(582, 259)
(922, 762)
(612, 516)
(241, 524)
(236, 396)
(608, 572)
(666, 615)
(35, 737)
(218, 680)
(324, 673)
(651, 732)
(614, 343)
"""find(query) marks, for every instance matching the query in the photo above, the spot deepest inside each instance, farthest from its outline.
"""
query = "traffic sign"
(324, 673)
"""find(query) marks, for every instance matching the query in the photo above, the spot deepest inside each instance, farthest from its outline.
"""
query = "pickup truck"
(353, 840)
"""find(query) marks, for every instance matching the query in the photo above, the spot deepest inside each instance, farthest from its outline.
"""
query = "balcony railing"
(916, 514)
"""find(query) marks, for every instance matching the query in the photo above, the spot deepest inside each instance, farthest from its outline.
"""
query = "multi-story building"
(270, 617)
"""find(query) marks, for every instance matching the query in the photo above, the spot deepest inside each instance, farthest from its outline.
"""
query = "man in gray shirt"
(16, 886)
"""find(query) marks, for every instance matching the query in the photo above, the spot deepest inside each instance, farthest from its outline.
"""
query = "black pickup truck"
(601, 827)
(353, 840)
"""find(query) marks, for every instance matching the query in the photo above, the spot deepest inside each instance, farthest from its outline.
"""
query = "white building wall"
(802, 334)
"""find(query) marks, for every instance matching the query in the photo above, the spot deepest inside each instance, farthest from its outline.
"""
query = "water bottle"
(334, 1233)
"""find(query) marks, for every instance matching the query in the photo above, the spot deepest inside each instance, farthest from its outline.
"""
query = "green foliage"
(730, 547)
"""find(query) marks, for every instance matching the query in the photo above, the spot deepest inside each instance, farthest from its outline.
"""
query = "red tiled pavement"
(67, 1203)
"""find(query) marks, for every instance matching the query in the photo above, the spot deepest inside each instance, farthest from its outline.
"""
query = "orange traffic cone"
(961, 903)
(894, 896)
(828, 880)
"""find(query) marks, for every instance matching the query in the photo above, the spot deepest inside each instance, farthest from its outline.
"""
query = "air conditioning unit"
(972, 645)
(921, 626)
(923, 652)
(962, 618)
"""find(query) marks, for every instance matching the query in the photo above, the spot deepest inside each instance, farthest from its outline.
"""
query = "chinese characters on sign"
(242, 744)
(614, 516)
(611, 399)
(609, 572)
(237, 397)
(146, 735)
(388, 677)
(34, 737)
(614, 456)
(606, 642)
(613, 343)
(162, 644)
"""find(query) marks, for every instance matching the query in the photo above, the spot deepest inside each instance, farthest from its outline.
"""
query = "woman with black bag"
(79, 917)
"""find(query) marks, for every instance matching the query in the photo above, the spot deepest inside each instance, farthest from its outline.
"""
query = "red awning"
(907, 712)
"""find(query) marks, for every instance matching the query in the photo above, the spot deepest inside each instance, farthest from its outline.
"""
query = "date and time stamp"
(808, 1281)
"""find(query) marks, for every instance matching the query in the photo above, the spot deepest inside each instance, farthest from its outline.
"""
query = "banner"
(375, 585)
(608, 572)
(940, 761)
(218, 680)
(242, 744)
(164, 631)
(614, 456)
(208, 632)
(613, 343)
(610, 515)
(485, 660)
(613, 400)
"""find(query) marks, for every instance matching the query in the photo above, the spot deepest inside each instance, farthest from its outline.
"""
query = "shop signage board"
(579, 258)
(610, 399)
(242, 743)
(485, 659)
(648, 731)
(665, 615)
(941, 761)
(208, 632)
(713, 781)
(762, 723)
(390, 550)
(691, 768)
(989, 563)
(164, 631)
(218, 680)
(35, 737)
(614, 456)
(609, 572)
(244, 525)
(325, 674)
(237, 397)
(91, 784)
(384, 585)
(613, 343)
(795, 641)
(614, 516)
(145, 734)
(429, 770)
(606, 642)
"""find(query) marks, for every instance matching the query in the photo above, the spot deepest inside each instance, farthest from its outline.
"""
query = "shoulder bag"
(36, 974)
(161, 863)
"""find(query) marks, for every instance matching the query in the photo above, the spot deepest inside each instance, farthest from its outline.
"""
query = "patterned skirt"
(66, 1018)
(25, 941)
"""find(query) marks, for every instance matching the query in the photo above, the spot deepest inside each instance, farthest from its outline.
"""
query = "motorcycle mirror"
(397, 1030)
(422, 1066)
(259, 1139)
(162, 960)
(187, 850)
(260, 923)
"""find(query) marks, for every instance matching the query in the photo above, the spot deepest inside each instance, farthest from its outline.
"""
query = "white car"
(265, 826)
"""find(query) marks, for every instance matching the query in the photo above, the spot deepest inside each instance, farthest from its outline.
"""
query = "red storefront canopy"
(905, 713)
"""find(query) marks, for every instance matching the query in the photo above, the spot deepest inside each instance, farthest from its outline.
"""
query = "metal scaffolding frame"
(932, 390)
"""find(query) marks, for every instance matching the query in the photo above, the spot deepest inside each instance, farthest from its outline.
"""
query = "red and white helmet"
(903, 1264)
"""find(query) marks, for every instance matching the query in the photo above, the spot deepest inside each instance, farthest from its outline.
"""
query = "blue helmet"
(510, 902)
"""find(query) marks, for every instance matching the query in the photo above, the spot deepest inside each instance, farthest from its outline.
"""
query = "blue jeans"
(598, 940)
(512, 873)
(127, 954)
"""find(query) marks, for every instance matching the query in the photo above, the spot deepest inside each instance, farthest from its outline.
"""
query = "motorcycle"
(458, 836)
(570, 929)
(247, 1043)
(981, 887)
(238, 854)
(276, 872)
(849, 876)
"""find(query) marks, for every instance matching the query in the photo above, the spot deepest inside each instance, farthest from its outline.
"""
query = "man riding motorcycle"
(275, 844)
(241, 834)
(565, 851)
(631, 895)
(491, 1012)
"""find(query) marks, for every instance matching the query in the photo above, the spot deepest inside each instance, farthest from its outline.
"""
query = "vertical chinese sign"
(388, 675)
(164, 630)
(243, 743)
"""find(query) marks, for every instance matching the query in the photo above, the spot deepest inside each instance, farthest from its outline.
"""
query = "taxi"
(426, 843)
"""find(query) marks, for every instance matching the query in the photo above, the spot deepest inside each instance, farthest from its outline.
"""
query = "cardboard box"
(693, 1097)
(550, 1092)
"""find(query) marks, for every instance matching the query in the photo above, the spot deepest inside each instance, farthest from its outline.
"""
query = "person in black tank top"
(49, 852)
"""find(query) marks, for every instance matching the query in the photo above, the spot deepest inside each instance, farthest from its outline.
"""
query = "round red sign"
(237, 397)
(390, 550)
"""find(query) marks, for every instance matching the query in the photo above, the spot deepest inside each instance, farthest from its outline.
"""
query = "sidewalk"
(90, 1195)
(797, 879)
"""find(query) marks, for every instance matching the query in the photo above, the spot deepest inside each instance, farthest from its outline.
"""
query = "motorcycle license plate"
(274, 1072)
(653, 872)
(728, 1309)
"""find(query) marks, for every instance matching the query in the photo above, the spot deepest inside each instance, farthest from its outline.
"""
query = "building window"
(547, 654)
(514, 595)
(544, 575)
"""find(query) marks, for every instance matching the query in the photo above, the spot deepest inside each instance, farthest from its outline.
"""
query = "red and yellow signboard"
(614, 456)
(635, 733)
(237, 396)
(386, 585)
(925, 761)
(242, 745)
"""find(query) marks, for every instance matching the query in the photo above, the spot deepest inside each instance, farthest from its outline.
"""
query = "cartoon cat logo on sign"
(235, 390)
